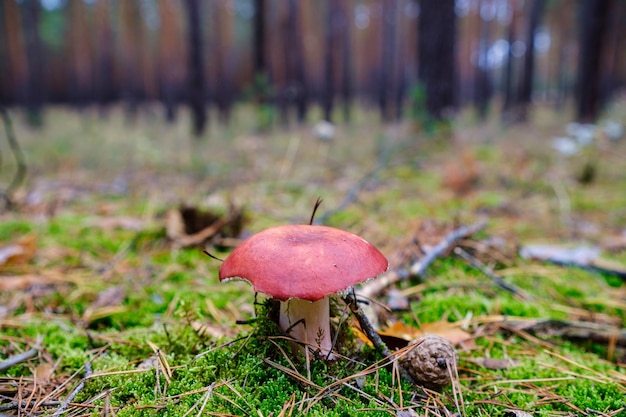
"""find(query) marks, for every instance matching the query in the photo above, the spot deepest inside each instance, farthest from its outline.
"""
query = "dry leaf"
(19, 252)
(43, 372)
(403, 331)
(400, 334)
(447, 330)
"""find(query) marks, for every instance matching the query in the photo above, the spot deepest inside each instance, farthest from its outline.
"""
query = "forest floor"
(109, 307)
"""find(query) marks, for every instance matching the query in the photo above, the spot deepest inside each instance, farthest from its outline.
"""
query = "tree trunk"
(483, 88)
(528, 75)
(104, 87)
(508, 81)
(220, 47)
(34, 52)
(15, 67)
(169, 57)
(296, 83)
(195, 69)
(260, 62)
(594, 19)
(436, 56)
(330, 23)
(80, 70)
(347, 72)
(386, 85)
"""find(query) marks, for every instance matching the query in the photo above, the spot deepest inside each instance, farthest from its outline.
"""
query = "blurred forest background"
(408, 58)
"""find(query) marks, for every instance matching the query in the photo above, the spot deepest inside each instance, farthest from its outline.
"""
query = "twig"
(476, 263)
(75, 392)
(17, 359)
(417, 268)
(15, 405)
(573, 330)
(371, 333)
(19, 158)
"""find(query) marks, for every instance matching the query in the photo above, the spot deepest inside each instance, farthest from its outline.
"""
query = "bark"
(15, 67)
(104, 88)
(528, 75)
(130, 37)
(594, 18)
(436, 56)
(80, 70)
(330, 30)
(483, 87)
(220, 47)
(296, 83)
(34, 98)
(386, 85)
(169, 58)
(347, 71)
(195, 70)
(259, 35)
(509, 76)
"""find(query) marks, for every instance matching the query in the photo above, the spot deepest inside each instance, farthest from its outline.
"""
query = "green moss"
(12, 229)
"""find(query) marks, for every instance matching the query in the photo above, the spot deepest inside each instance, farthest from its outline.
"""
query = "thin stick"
(20, 174)
(371, 333)
(75, 392)
(17, 359)
(417, 268)
(476, 263)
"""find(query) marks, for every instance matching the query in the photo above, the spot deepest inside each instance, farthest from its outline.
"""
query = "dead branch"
(418, 267)
(573, 330)
(17, 359)
(75, 392)
(513, 289)
(371, 333)
(20, 174)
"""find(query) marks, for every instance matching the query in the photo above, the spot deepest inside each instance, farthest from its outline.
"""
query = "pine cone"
(428, 361)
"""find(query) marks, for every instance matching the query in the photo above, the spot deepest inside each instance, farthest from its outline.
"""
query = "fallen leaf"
(43, 372)
(447, 330)
(403, 331)
(19, 252)
(399, 334)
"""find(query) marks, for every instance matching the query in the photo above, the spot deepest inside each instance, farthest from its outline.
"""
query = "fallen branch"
(17, 359)
(417, 268)
(20, 174)
(372, 334)
(513, 289)
(75, 392)
(572, 330)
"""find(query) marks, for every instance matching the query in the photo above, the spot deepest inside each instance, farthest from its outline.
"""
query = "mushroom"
(301, 266)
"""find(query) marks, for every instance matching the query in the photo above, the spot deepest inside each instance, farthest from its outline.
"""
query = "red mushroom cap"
(303, 261)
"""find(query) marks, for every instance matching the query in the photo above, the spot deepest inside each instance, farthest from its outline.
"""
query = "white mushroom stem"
(309, 323)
